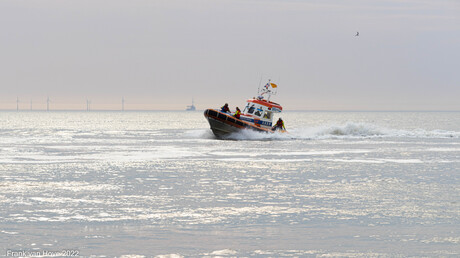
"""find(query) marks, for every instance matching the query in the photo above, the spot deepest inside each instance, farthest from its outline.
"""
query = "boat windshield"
(258, 112)
(251, 109)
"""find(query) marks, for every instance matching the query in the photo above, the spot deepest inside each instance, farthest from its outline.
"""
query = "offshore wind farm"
(62, 106)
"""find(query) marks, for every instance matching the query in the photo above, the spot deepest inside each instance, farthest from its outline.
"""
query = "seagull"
(357, 34)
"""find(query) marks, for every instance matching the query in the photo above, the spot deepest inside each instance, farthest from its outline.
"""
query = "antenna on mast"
(269, 92)
(269, 89)
(260, 82)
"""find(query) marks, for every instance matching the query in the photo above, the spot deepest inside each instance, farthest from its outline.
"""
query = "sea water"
(159, 183)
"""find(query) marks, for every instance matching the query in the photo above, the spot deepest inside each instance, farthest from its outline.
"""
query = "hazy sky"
(159, 54)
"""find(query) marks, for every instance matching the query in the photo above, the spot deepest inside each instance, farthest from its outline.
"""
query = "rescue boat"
(257, 115)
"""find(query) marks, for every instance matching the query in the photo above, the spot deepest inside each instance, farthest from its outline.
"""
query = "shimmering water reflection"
(155, 183)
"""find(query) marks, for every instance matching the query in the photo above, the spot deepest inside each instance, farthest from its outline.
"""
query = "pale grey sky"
(159, 54)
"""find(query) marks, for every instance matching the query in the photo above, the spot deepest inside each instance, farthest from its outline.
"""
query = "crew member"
(237, 113)
(279, 125)
(225, 109)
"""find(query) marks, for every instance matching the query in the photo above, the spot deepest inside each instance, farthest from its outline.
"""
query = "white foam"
(366, 130)
(224, 252)
(255, 135)
(169, 256)
(342, 131)
(378, 161)
(9, 232)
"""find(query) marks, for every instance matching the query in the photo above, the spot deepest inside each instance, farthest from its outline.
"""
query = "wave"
(348, 130)
(366, 130)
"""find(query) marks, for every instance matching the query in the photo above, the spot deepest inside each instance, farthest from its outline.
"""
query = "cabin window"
(258, 112)
(246, 108)
(251, 109)
(268, 115)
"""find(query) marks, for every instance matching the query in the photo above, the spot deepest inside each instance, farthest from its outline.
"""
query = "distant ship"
(191, 108)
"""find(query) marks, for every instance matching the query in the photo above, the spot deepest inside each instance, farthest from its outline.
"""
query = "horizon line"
(201, 110)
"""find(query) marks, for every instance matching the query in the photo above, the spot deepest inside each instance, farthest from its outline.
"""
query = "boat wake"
(349, 130)
(366, 130)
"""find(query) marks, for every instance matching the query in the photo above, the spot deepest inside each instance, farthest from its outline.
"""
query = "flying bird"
(357, 34)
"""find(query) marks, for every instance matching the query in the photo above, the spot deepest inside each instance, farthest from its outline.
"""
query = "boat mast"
(268, 89)
(260, 82)
(269, 93)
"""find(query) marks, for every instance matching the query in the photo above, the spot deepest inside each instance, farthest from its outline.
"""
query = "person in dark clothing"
(225, 109)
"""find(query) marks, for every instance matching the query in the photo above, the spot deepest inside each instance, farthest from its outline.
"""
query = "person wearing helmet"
(225, 109)
(279, 125)
(237, 113)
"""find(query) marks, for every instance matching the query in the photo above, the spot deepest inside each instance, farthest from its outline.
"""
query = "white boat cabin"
(260, 112)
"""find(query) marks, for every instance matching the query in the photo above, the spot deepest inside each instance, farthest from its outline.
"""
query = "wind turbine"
(48, 103)
(17, 103)
(88, 103)
(122, 103)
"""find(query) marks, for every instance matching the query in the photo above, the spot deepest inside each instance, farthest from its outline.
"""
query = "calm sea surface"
(159, 183)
